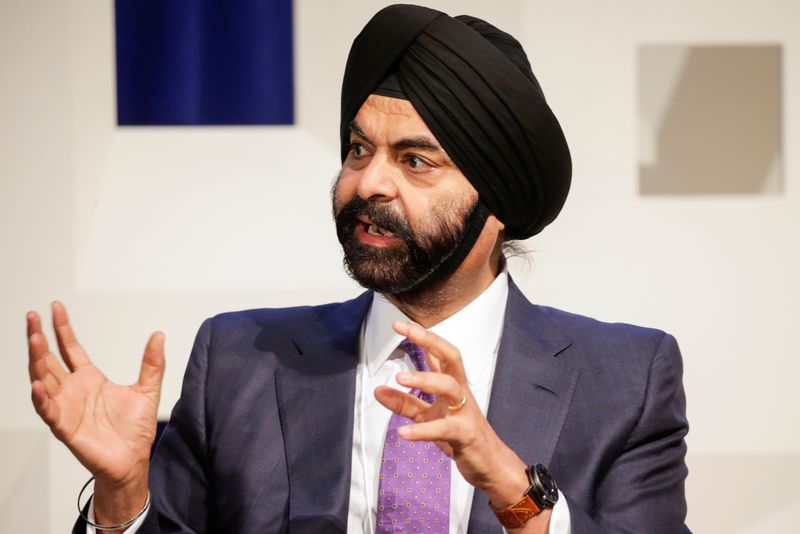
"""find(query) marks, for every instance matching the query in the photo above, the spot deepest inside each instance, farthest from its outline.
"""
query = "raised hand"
(455, 423)
(108, 427)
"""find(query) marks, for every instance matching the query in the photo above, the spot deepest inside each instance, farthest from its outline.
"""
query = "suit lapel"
(531, 392)
(316, 395)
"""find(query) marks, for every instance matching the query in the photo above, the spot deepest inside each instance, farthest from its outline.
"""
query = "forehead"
(383, 115)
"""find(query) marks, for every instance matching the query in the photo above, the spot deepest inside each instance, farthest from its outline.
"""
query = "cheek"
(422, 214)
(344, 190)
(450, 209)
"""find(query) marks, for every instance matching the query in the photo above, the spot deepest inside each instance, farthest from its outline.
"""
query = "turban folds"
(473, 87)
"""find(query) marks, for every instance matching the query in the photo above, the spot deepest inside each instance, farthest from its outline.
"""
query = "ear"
(497, 229)
(495, 222)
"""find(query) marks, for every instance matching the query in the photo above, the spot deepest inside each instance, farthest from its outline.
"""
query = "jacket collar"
(315, 389)
(531, 393)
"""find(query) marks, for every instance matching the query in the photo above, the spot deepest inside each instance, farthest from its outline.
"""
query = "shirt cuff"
(130, 530)
(560, 522)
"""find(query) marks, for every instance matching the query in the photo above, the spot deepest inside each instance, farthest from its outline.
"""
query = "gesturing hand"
(454, 420)
(109, 428)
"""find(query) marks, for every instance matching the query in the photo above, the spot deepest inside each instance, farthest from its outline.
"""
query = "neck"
(438, 301)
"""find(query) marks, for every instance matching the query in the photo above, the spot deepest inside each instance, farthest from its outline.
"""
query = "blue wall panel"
(204, 62)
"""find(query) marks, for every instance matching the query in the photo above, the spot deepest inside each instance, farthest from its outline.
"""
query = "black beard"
(409, 265)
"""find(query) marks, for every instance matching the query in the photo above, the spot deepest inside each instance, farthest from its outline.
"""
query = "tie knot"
(416, 353)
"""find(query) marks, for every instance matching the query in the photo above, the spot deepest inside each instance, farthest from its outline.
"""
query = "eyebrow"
(421, 141)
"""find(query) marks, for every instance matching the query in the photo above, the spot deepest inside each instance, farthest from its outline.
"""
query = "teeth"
(374, 229)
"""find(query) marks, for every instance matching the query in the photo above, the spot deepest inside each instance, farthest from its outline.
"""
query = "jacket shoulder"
(285, 319)
(616, 360)
(601, 335)
(262, 330)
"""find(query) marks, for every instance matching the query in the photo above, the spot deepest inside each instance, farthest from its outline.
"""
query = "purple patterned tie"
(414, 487)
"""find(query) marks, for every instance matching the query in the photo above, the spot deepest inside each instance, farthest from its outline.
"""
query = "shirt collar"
(475, 330)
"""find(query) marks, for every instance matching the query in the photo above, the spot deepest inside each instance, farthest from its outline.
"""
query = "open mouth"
(374, 229)
(373, 234)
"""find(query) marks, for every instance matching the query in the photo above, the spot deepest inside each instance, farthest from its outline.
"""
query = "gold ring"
(460, 405)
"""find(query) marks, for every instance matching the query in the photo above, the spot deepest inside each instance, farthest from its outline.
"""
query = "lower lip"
(375, 240)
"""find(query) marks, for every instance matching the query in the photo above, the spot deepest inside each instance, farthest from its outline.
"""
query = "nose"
(378, 180)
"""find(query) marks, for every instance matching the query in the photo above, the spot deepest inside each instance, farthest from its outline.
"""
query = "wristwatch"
(540, 495)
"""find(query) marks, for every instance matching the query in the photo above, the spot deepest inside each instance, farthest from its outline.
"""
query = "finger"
(435, 345)
(37, 343)
(41, 360)
(441, 385)
(435, 430)
(34, 324)
(402, 328)
(51, 386)
(71, 351)
(36, 353)
(401, 403)
(38, 366)
(152, 370)
(44, 406)
(54, 367)
(448, 355)
(49, 372)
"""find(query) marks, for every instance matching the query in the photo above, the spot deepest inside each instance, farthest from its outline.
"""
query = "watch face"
(547, 486)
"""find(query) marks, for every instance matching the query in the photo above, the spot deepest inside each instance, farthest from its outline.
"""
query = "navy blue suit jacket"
(260, 440)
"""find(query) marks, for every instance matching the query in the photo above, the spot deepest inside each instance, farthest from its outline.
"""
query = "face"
(400, 203)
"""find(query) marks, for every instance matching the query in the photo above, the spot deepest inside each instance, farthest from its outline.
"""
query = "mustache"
(379, 213)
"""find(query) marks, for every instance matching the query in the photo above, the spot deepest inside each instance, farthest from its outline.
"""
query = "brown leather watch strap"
(515, 515)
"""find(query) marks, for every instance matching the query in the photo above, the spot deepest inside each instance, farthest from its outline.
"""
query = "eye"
(358, 150)
(416, 163)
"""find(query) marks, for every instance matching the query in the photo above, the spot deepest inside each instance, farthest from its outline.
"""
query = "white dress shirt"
(476, 331)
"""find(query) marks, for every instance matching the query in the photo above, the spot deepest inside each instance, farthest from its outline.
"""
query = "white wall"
(138, 229)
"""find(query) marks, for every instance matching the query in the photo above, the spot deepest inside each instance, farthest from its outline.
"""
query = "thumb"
(152, 370)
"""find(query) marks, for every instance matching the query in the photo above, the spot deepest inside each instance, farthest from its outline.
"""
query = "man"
(501, 414)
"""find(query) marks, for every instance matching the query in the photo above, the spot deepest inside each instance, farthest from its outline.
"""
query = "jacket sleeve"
(179, 481)
(643, 491)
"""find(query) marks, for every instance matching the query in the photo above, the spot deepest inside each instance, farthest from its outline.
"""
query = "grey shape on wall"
(709, 119)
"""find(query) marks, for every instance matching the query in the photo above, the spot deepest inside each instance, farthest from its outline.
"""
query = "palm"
(108, 427)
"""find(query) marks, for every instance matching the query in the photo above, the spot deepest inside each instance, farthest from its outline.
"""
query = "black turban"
(473, 86)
